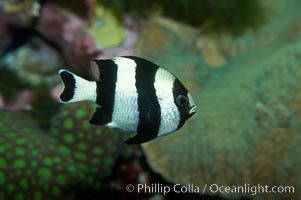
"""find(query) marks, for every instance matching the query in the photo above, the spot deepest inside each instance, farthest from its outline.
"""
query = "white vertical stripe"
(84, 89)
(125, 114)
(169, 112)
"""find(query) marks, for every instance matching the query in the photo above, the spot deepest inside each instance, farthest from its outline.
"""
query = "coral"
(92, 146)
(40, 68)
(281, 27)
(7, 18)
(31, 165)
(105, 28)
(177, 49)
(129, 43)
(82, 8)
(247, 126)
(6, 75)
(69, 31)
(233, 17)
(64, 37)
(28, 93)
(72, 160)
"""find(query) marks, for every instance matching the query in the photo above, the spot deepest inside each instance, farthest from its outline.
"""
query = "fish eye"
(181, 100)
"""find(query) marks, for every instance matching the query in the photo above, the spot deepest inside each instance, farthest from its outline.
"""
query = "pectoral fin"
(140, 138)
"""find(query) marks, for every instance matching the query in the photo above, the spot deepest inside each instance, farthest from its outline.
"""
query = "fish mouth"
(192, 110)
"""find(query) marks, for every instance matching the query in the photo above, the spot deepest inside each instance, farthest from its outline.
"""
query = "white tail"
(76, 88)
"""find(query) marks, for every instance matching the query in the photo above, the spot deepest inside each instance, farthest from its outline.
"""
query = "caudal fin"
(76, 88)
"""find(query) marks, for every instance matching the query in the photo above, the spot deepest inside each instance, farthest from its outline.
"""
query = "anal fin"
(100, 118)
(140, 138)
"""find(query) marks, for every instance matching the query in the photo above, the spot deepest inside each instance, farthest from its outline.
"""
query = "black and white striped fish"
(134, 95)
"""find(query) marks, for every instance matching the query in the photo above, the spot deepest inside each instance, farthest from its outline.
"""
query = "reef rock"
(177, 49)
(40, 68)
(282, 25)
(248, 124)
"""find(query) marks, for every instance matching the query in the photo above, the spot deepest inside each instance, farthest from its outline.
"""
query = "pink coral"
(68, 30)
(8, 19)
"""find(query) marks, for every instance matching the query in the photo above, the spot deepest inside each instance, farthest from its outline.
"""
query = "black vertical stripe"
(148, 104)
(179, 89)
(106, 86)
(69, 83)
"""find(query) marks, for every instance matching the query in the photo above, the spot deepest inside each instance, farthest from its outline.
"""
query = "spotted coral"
(65, 162)
(31, 164)
(94, 148)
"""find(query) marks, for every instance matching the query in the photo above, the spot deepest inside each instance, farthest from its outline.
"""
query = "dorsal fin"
(103, 68)
(94, 69)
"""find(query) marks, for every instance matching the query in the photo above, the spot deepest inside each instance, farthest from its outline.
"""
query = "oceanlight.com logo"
(251, 189)
(209, 188)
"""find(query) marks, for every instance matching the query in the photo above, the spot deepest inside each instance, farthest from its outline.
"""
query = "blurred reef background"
(240, 59)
